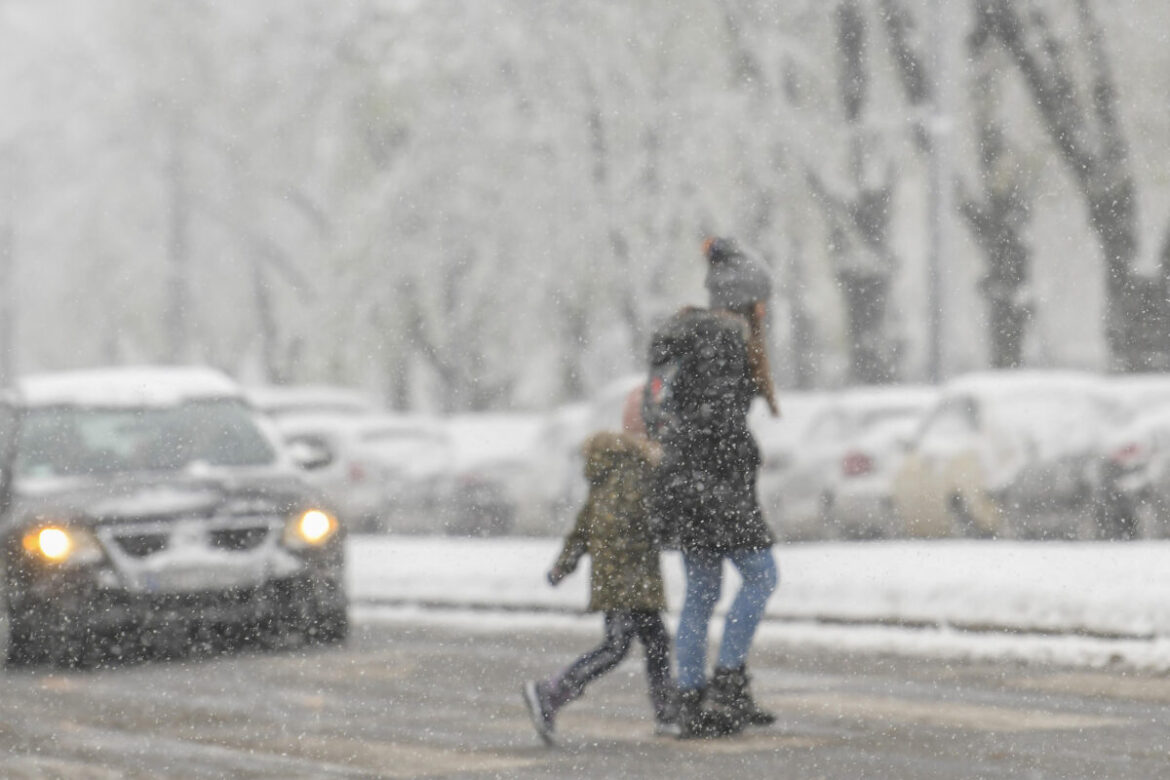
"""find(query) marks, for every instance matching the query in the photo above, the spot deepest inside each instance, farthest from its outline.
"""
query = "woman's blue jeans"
(704, 572)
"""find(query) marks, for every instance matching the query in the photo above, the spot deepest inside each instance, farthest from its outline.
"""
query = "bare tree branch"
(1043, 68)
(271, 253)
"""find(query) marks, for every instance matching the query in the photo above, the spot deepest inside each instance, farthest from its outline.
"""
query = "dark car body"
(150, 506)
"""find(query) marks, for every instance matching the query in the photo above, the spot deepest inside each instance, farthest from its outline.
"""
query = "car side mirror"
(309, 455)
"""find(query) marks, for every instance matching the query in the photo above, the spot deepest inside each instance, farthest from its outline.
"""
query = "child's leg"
(570, 683)
(656, 641)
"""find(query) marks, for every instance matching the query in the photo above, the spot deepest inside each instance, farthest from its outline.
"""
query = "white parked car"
(798, 498)
(1132, 497)
(1004, 453)
(1138, 393)
(381, 472)
(557, 469)
(491, 488)
(781, 439)
(860, 503)
(1121, 455)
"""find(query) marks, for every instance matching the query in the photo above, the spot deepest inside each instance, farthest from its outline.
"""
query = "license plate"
(187, 580)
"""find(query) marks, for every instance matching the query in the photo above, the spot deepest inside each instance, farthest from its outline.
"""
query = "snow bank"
(1106, 590)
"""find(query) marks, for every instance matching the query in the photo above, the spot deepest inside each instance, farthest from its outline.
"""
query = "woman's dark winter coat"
(705, 488)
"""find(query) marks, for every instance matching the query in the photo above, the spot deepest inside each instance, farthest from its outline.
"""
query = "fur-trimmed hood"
(607, 451)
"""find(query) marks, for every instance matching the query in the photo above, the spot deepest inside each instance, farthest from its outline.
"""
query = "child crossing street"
(614, 529)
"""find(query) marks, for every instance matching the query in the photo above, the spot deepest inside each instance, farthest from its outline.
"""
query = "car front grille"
(142, 542)
(142, 545)
(238, 538)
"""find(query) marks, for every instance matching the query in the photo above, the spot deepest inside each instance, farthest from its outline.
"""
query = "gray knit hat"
(734, 278)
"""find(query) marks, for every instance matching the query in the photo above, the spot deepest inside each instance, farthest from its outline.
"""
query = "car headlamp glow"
(58, 544)
(311, 528)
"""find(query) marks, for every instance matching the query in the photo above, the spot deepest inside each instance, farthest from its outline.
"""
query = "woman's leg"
(757, 568)
(704, 572)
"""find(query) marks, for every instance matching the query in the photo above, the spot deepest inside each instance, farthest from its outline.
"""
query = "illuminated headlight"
(61, 544)
(310, 529)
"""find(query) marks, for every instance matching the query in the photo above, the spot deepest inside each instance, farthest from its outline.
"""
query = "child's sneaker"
(666, 713)
(540, 709)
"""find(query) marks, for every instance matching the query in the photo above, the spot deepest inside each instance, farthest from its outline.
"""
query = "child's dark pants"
(620, 629)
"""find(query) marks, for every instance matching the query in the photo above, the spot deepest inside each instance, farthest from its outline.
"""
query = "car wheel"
(1116, 518)
(329, 626)
(23, 649)
(1148, 521)
(500, 521)
(966, 526)
(32, 640)
(828, 529)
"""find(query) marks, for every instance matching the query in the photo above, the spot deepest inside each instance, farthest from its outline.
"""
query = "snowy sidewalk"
(1101, 590)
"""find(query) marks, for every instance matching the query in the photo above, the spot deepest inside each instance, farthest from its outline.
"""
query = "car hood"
(133, 498)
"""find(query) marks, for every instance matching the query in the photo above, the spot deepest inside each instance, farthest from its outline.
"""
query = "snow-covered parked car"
(1005, 453)
(492, 488)
(557, 469)
(328, 448)
(1133, 490)
(781, 441)
(860, 504)
(799, 498)
(381, 472)
(282, 402)
(1121, 466)
(141, 506)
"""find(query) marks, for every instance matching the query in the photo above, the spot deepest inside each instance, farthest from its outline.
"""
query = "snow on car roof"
(887, 396)
(125, 387)
(358, 426)
(1139, 390)
(798, 409)
(309, 399)
(1012, 382)
(1150, 419)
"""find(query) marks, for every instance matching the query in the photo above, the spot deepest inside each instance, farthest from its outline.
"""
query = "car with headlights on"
(150, 507)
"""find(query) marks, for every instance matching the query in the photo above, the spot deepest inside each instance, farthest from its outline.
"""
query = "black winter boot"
(697, 720)
(729, 689)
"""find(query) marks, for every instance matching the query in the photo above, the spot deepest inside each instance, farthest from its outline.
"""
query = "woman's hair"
(757, 353)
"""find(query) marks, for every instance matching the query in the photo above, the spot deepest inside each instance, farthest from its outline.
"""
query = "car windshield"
(73, 441)
(954, 417)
